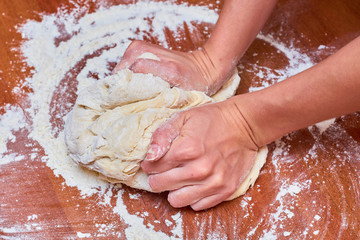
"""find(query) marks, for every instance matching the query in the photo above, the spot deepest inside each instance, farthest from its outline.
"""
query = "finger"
(208, 202)
(178, 177)
(133, 51)
(183, 149)
(166, 70)
(185, 146)
(163, 137)
(199, 197)
(127, 59)
(148, 59)
(189, 195)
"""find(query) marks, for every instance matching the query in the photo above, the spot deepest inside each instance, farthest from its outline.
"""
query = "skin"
(202, 155)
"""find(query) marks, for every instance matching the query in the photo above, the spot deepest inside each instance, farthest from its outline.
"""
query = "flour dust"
(69, 51)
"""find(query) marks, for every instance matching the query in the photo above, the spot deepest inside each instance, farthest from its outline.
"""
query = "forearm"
(239, 23)
(327, 90)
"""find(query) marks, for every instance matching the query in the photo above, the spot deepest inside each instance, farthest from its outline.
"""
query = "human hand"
(188, 70)
(211, 154)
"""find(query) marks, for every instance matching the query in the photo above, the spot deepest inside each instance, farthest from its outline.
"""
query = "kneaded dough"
(249, 181)
(110, 127)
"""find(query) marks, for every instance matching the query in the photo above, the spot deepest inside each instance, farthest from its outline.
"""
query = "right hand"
(188, 70)
(201, 155)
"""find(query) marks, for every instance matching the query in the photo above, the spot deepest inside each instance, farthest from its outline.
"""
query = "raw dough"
(249, 181)
(110, 126)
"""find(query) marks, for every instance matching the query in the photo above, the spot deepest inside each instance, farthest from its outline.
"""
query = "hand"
(211, 154)
(188, 70)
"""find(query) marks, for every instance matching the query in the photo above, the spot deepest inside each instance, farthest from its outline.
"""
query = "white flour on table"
(105, 35)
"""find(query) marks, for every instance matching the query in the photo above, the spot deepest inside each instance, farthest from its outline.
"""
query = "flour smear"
(54, 46)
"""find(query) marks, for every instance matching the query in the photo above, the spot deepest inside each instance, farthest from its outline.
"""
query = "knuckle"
(218, 180)
(191, 150)
(201, 173)
(221, 184)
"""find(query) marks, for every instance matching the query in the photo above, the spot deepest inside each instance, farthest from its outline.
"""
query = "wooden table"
(308, 190)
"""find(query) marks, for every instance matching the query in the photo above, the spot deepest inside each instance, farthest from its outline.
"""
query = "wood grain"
(326, 164)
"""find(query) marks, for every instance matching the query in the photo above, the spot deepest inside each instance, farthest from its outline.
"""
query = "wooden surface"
(326, 164)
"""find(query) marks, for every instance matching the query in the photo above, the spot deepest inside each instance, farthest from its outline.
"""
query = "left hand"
(193, 70)
(211, 154)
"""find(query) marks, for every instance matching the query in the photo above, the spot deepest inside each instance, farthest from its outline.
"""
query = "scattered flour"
(98, 39)
(298, 62)
(284, 211)
(83, 235)
(13, 120)
(324, 125)
(32, 217)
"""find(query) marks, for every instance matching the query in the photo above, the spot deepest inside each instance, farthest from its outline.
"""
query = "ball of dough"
(110, 127)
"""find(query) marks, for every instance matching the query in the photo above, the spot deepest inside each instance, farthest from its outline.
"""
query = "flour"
(138, 230)
(298, 62)
(83, 235)
(108, 31)
(324, 125)
(32, 217)
(13, 120)
(99, 40)
(284, 211)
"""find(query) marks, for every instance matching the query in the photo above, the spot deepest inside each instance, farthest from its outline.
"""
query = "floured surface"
(309, 187)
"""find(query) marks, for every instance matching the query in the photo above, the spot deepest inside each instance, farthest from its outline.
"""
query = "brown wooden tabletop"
(308, 189)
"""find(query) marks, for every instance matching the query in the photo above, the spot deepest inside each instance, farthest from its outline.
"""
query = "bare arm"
(216, 144)
(329, 89)
(206, 69)
(220, 140)
(239, 23)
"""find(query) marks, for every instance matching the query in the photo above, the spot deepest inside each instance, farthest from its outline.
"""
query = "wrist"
(232, 112)
(214, 71)
(273, 112)
(258, 117)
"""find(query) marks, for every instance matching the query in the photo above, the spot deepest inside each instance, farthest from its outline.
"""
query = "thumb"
(166, 70)
(136, 50)
(163, 137)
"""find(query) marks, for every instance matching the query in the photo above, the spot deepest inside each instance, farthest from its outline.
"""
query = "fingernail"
(154, 153)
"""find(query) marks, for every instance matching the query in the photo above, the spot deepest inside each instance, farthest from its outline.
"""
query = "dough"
(249, 181)
(110, 126)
